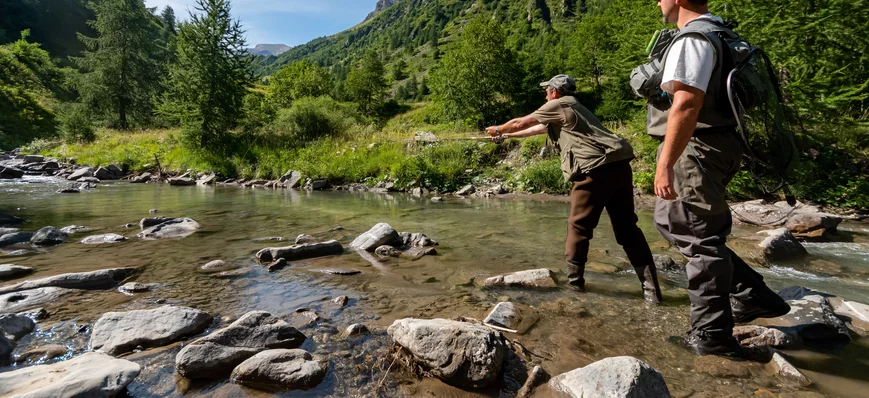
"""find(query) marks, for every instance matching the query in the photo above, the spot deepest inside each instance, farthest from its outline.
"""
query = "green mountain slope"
(53, 23)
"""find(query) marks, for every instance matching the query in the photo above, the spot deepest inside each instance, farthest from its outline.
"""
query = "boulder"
(74, 229)
(811, 316)
(541, 278)
(280, 369)
(466, 190)
(181, 181)
(16, 326)
(141, 179)
(105, 238)
(801, 219)
(101, 279)
(6, 219)
(378, 235)
(80, 173)
(120, 332)
(319, 184)
(42, 353)
(805, 223)
(512, 317)
(217, 354)
(20, 301)
(291, 179)
(9, 173)
(616, 377)
(150, 222)
(91, 374)
(15, 238)
(459, 353)
(781, 245)
(9, 271)
(416, 239)
(780, 366)
(305, 238)
(175, 228)
(300, 252)
(103, 173)
(115, 170)
(48, 236)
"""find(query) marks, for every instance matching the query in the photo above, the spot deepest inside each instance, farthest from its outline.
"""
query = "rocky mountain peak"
(381, 5)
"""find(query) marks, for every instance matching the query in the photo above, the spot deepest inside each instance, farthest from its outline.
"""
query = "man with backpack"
(597, 162)
(700, 153)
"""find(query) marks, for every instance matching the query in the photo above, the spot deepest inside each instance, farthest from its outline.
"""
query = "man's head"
(559, 86)
(673, 8)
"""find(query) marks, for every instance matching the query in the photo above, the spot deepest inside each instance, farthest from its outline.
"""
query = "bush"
(312, 118)
(75, 124)
(544, 176)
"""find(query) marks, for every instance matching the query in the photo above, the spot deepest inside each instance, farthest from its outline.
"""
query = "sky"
(290, 22)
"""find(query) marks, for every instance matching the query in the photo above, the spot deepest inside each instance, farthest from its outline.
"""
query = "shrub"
(543, 176)
(312, 118)
(75, 124)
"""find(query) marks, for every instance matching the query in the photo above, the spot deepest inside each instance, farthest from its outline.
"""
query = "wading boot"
(649, 281)
(761, 303)
(706, 344)
(575, 279)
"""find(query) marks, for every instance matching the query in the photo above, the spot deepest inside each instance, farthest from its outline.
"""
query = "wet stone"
(622, 377)
(379, 235)
(74, 229)
(175, 228)
(780, 366)
(664, 262)
(340, 301)
(21, 301)
(216, 266)
(338, 271)
(277, 264)
(721, 367)
(16, 326)
(780, 245)
(100, 279)
(102, 239)
(15, 238)
(540, 278)
(10, 271)
(120, 332)
(355, 330)
(135, 287)
(512, 317)
(759, 336)
(305, 238)
(91, 374)
(42, 353)
(281, 369)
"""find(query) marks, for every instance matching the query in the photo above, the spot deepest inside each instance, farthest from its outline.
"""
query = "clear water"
(478, 237)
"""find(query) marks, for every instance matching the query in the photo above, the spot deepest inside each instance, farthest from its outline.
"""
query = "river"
(478, 237)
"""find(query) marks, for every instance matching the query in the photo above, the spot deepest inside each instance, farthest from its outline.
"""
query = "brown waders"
(608, 187)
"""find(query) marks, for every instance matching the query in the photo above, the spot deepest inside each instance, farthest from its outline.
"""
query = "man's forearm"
(531, 131)
(517, 124)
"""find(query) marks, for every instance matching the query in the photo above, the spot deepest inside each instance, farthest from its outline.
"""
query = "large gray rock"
(217, 354)
(280, 369)
(803, 220)
(20, 301)
(104, 238)
(378, 235)
(459, 353)
(15, 238)
(120, 332)
(9, 271)
(541, 278)
(89, 375)
(291, 179)
(48, 236)
(781, 245)
(512, 317)
(105, 174)
(80, 173)
(616, 377)
(300, 252)
(101, 279)
(115, 170)
(16, 325)
(175, 228)
(811, 316)
(10, 173)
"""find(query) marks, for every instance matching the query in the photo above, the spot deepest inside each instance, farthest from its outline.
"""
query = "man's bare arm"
(531, 131)
(681, 123)
(513, 126)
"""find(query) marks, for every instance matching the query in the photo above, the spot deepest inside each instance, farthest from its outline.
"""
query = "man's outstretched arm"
(518, 124)
(681, 123)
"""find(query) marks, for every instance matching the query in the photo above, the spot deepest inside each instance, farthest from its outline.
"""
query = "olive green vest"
(587, 144)
(716, 113)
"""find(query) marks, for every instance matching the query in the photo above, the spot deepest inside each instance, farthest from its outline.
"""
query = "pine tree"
(118, 76)
(366, 84)
(210, 77)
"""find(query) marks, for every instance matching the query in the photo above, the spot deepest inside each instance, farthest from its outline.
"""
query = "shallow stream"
(478, 237)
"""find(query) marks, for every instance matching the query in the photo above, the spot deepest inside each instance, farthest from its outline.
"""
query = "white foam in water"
(788, 271)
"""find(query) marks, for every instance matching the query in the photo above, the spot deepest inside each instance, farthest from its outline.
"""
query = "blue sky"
(290, 22)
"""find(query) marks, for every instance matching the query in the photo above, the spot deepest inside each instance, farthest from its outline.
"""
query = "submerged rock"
(379, 235)
(781, 245)
(74, 229)
(120, 332)
(541, 278)
(20, 301)
(101, 279)
(216, 266)
(48, 236)
(135, 287)
(6, 219)
(616, 377)
(175, 228)
(512, 317)
(10, 271)
(300, 252)
(280, 369)
(42, 353)
(459, 353)
(91, 374)
(783, 368)
(15, 238)
(105, 238)
(338, 271)
(217, 354)
(16, 326)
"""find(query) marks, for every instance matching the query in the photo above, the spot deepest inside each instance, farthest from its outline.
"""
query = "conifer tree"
(366, 84)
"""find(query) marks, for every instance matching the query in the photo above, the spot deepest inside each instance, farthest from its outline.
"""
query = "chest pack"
(744, 89)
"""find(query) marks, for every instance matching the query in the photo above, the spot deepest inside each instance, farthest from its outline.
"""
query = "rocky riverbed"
(210, 291)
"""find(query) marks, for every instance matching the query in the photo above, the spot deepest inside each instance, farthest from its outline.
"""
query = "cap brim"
(544, 84)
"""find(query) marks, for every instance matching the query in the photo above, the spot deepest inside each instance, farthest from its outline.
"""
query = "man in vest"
(597, 162)
(700, 154)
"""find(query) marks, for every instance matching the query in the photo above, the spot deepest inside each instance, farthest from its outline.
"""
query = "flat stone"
(615, 377)
(16, 238)
(48, 236)
(459, 353)
(135, 287)
(19, 252)
(856, 313)
(541, 278)
(512, 317)
(101, 279)
(781, 245)
(380, 234)
(338, 271)
(280, 369)
(780, 366)
(10, 271)
(760, 336)
(722, 367)
(120, 332)
(74, 229)
(300, 252)
(217, 354)
(802, 223)
(91, 374)
(175, 228)
(16, 326)
(101, 239)
(811, 316)
(69, 190)
(601, 268)
(181, 181)
(42, 353)
(20, 301)
(216, 266)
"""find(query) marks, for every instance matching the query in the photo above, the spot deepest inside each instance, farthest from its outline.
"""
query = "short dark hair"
(699, 2)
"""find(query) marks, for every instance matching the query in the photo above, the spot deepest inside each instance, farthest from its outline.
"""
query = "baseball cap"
(562, 83)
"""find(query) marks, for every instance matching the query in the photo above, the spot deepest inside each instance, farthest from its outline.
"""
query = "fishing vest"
(716, 113)
(587, 144)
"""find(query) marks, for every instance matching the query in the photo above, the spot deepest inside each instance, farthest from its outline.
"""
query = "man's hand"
(492, 131)
(664, 182)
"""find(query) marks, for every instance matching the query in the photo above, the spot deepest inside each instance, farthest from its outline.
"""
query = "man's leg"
(585, 208)
(624, 220)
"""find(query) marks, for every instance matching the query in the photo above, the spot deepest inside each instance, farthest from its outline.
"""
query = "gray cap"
(562, 83)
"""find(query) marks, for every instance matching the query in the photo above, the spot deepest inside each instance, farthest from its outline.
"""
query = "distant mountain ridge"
(269, 49)
(380, 7)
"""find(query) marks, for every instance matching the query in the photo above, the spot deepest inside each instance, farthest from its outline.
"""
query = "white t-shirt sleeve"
(690, 62)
